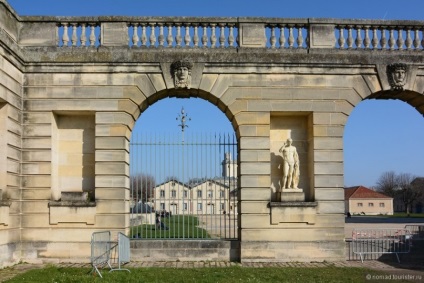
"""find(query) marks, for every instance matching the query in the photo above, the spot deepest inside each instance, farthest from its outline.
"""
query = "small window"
(381, 204)
(162, 193)
(359, 204)
(162, 206)
(210, 194)
(185, 194)
(370, 204)
(199, 206)
(221, 194)
(222, 206)
(185, 206)
(199, 193)
(174, 193)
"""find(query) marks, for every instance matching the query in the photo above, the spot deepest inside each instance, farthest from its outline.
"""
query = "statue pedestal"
(290, 195)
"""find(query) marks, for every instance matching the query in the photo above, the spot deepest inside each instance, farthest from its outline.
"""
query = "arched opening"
(382, 136)
(183, 172)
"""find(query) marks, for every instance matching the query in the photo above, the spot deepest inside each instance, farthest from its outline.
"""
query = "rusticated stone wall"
(68, 103)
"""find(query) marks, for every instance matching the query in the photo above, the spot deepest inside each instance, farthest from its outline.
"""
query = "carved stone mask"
(396, 74)
(181, 72)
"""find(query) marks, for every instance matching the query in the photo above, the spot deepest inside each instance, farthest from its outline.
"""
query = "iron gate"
(183, 187)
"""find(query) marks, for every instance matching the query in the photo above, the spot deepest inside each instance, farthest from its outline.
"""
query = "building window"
(381, 204)
(199, 193)
(199, 206)
(222, 206)
(359, 204)
(371, 204)
(162, 206)
(185, 194)
(210, 194)
(221, 194)
(162, 193)
(185, 206)
(174, 193)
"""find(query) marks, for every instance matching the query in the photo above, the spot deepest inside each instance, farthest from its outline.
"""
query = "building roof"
(361, 192)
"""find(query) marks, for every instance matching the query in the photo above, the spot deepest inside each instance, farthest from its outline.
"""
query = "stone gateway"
(71, 90)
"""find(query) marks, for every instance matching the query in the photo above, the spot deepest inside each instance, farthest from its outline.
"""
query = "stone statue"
(291, 171)
(396, 74)
(181, 72)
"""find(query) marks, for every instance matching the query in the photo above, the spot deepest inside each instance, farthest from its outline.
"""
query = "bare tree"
(407, 191)
(387, 183)
(401, 187)
(142, 186)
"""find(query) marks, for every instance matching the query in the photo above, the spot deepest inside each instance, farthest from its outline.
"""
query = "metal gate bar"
(184, 187)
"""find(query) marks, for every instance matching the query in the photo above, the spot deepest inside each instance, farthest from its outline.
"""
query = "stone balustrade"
(213, 33)
(380, 35)
(224, 33)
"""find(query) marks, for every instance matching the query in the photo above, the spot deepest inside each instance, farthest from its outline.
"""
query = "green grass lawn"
(395, 215)
(218, 274)
(179, 227)
(404, 215)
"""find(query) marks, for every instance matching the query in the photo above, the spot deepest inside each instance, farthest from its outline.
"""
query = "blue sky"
(379, 136)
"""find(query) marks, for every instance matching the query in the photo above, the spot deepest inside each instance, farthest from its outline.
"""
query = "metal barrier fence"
(183, 187)
(381, 241)
(417, 231)
(100, 250)
(123, 251)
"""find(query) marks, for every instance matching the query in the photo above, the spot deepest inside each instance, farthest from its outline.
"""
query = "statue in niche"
(181, 72)
(396, 73)
(291, 171)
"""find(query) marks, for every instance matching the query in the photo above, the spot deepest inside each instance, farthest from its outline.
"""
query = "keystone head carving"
(181, 72)
(396, 74)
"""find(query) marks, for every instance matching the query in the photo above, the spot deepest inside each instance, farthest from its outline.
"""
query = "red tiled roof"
(363, 192)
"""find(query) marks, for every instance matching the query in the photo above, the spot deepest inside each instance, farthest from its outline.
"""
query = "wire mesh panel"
(123, 252)
(100, 250)
(184, 187)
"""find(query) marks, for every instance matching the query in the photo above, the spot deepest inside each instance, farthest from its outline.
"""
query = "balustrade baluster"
(65, 36)
(416, 41)
(152, 38)
(178, 37)
(422, 39)
(205, 35)
(408, 41)
(74, 38)
(83, 37)
(161, 37)
(282, 39)
(391, 39)
(231, 36)
(349, 37)
(400, 40)
(374, 40)
(291, 36)
(341, 40)
(358, 41)
(299, 37)
(135, 37)
(57, 34)
(92, 37)
(143, 35)
(383, 40)
(272, 39)
(213, 35)
(367, 40)
(196, 35)
(170, 37)
(222, 35)
(187, 37)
